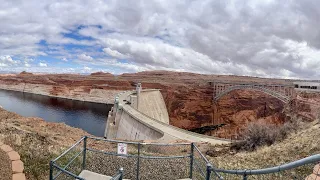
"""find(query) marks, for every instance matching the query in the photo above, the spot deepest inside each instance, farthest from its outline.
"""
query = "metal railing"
(275, 94)
(142, 160)
(119, 175)
(159, 161)
(299, 169)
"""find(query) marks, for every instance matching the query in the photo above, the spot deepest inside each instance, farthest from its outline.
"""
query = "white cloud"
(87, 68)
(84, 57)
(43, 64)
(27, 64)
(155, 54)
(260, 38)
(114, 53)
(6, 61)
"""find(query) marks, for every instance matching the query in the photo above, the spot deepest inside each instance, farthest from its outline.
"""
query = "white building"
(306, 86)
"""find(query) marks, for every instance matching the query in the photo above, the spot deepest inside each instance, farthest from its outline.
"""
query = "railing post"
(191, 160)
(138, 161)
(51, 170)
(121, 173)
(245, 175)
(84, 152)
(209, 169)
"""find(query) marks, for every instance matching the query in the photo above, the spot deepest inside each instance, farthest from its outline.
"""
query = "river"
(88, 116)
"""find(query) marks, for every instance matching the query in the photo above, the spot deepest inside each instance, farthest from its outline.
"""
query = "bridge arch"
(283, 92)
(284, 99)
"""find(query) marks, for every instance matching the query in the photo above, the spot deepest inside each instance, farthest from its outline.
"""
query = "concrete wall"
(151, 103)
(123, 125)
(130, 128)
(127, 122)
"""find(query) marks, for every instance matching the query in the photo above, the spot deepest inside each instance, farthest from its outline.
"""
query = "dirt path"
(5, 167)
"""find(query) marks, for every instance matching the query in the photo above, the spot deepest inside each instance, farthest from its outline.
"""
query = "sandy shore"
(75, 93)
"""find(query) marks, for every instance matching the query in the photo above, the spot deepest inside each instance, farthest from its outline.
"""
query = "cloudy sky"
(267, 38)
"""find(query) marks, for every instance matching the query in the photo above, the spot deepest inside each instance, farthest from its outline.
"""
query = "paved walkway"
(5, 166)
(315, 174)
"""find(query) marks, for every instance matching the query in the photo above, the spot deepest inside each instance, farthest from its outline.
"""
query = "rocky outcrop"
(241, 107)
(188, 96)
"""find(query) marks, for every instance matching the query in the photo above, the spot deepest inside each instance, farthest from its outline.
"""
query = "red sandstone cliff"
(188, 96)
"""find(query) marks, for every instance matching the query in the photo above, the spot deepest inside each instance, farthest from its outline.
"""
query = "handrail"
(73, 146)
(204, 172)
(67, 172)
(251, 83)
(204, 158)
(66, 166)
(283, 167)
(119, 175)
(132, 142)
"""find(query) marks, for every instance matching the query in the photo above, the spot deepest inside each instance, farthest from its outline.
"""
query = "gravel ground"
(157, 169)
(5, 166)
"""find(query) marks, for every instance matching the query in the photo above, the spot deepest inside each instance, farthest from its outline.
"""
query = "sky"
(264, 38)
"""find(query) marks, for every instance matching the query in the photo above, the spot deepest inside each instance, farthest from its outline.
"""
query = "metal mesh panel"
(71, 162)
(102, 158)
(199, 165)
(164, 161)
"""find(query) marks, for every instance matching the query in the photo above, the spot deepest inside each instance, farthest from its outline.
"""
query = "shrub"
(261, 134)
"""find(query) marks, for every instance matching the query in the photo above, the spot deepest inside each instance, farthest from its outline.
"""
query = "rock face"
(188, 96)
(193, 107)
(240, 107)
(23, 73)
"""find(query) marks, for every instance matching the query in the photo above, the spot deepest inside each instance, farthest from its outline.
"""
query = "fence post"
(84, 152)
(245, 175)
(191, 160)
(138, 161)
(209, 169)
(51, 170)
(121, 173)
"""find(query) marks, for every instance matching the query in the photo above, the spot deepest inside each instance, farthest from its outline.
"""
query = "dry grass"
(260, 134)
(298, 145)
(5, 166)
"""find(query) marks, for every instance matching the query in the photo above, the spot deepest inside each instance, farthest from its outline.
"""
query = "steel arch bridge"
(283, 92)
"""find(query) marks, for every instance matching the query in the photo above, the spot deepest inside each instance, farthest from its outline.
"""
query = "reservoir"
(91, 117)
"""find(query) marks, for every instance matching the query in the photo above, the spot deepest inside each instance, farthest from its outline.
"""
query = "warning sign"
(122, 148)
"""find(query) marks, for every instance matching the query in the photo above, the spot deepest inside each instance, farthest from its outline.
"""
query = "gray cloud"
(261, 38)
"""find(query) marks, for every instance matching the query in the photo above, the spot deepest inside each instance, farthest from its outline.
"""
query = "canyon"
(189, 100)
(188, 97)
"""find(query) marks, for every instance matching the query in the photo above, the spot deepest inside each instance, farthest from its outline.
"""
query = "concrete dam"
(142, 115)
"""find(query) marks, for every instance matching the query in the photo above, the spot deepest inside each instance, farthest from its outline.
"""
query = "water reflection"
(90, 117)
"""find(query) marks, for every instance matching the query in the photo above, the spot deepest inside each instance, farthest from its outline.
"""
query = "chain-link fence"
(69, 164)
(135, 160)
(138, 160)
